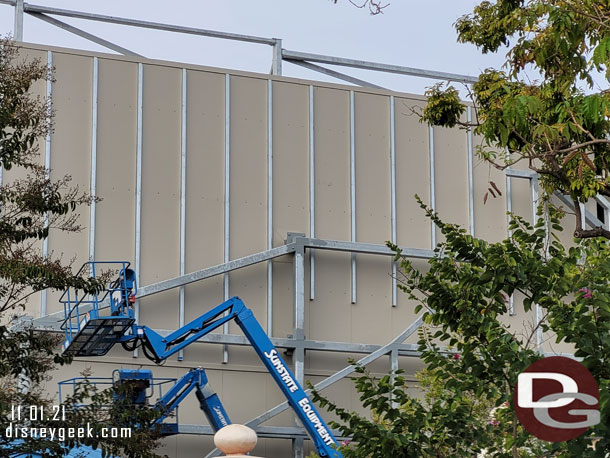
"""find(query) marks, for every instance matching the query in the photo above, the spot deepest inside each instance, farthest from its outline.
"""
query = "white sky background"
(413, 33)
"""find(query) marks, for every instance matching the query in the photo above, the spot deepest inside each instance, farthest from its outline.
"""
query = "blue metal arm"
(208, 400)
(163, 347)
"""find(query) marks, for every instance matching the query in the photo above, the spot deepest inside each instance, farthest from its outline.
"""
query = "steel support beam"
(29, 8)
(384, 350)
(333, 73)
(18, 27)
(83, 34)
(307, 57)
(215, 270)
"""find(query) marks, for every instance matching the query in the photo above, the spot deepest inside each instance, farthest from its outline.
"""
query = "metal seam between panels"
(47, 164)
(432, 185)
(312, 195)
(138, 188)
(470, 174)
(537, 310)
(93, 183)
(509, 209)
(269, 205)
(393, 193)
(352, 167)
(183, 121)
(225, 327)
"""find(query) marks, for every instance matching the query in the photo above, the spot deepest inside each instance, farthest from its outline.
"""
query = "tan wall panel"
(373, 197)
(248, 194)
(373, 217)
(332, 212)
(451, 176)
(290, 192)
(205, 164)
(403, 315)
(290, 160)
(331, 111)
(71, 151)
(283, 298)
(39, 88)
(371, 314)
(412, 175)
(116, 160)
(160, 219)
(490, 219)
(330, 314)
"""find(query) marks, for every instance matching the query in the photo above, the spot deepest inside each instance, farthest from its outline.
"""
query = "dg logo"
(556, 399)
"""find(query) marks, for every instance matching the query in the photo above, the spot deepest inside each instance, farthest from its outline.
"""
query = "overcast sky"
(412, 33)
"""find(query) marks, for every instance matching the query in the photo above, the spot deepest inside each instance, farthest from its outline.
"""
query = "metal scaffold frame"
(279, 54)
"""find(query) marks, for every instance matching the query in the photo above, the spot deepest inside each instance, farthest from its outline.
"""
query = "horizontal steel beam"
(388, 68)
(516, 173)
(28, 8)
(591, 219)
(215, 270)
(359, 247)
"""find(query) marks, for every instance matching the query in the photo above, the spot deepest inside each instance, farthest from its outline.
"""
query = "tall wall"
(244, 159)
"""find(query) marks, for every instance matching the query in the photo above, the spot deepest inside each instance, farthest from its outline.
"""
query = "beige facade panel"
(160, 208)
(412, 175)
(248, 189)
(38, 89)
(290, 160)
(72, 91)
(116, 160)
(490, 221)
(450, 162)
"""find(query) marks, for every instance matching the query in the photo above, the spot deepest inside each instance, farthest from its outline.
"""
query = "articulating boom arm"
(159, 348)
(208, 399)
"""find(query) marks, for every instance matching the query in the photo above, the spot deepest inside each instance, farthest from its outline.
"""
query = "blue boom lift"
(95, 323)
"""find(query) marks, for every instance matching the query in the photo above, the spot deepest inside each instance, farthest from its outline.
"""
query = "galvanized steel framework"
(296, 244)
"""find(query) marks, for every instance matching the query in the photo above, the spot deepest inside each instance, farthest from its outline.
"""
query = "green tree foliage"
(558, 126)
(473, 357)
(30, 207)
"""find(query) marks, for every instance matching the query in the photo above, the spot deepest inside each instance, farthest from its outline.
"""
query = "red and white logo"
(556, 399)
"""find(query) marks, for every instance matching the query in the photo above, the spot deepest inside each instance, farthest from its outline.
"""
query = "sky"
(411, 33)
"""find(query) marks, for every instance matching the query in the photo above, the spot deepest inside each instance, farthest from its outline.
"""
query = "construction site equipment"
(94, 324)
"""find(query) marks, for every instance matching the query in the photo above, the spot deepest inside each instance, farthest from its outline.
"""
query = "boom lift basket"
(95, 322)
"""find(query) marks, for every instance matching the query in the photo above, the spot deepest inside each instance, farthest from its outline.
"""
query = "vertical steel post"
(276, 65)
(93, 183)
(352, 185)
(269, 206)
(393, 369)
(299, 329)
(298, 447)
(432, 185)
(47, 165)
(18, 27)
(470, 173)
(509, 209)
(312, 195)
(227, 208)
(299, 310)
(393, 193)
(182, 265)
(138, 189)
(537, 309)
